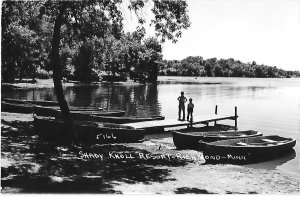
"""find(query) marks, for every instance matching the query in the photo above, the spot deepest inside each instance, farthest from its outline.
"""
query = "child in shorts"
(190, 109)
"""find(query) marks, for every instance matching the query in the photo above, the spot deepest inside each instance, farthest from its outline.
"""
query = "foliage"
(22, 39)
(196, 66)
(92, 39)
(84, 62)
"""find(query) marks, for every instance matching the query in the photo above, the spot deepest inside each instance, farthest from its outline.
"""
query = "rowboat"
(76, 115)
(190, 139)
(28, 108)
(43, 103)
(16, 108)
(50, 129)
(246, 150)
(52, 104)
(124, 119)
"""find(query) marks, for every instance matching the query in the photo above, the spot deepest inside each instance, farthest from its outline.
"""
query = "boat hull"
(246, 150)
(185, 140)
(50, 129)
(16, 108)
(52, 104)
(76, 115)
(123, 120)
(43, 103)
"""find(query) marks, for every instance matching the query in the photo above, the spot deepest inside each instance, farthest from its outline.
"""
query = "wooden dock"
(204, 119)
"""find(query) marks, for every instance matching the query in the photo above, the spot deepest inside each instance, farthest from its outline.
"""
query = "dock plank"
(174, 122)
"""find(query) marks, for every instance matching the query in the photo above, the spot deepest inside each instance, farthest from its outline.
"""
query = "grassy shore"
(151, 167)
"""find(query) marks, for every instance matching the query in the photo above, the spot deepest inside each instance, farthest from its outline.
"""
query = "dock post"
(216, 112)
(235, 117)
(190, 125)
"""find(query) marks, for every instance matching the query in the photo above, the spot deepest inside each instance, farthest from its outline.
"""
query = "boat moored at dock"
(184, 140)
(125, 119)
(42, 103)
(25, 108)
(76, 115)
(53, 105)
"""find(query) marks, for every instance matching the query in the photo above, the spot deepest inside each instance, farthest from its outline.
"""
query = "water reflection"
(30, 93)
(136, 100)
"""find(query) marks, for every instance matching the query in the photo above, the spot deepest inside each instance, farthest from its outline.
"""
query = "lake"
(271, 106)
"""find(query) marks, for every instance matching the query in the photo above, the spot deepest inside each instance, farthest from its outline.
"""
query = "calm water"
(271, 106)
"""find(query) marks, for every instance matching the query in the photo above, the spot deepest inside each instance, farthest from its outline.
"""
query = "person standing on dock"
(190, 109)
(181, 106)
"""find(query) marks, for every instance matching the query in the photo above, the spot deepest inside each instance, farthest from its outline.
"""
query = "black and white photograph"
(150, 97)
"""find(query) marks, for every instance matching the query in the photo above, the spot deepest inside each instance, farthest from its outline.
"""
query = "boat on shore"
(184, 140)
(124, 119)
(50, 129)
(246, 150)
(76, 115)
(52, 104)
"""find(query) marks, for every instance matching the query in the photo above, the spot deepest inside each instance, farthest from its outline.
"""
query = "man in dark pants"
(181, 106)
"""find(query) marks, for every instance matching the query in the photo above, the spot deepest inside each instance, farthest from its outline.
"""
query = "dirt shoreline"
(25, 168)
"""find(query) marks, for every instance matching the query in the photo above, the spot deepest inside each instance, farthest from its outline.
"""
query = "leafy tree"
(237, 71)
(154, 50)
(95, 17)
(133, 56)
(218, 71)
(271, 72)
(21, 43)
(85, 62)
(259, 72)
(226, 72)
(208, 69)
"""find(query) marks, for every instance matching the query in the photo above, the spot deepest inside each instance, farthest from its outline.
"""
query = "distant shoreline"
(48, 83)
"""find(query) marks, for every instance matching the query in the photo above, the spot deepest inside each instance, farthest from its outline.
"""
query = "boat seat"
(242, 144)
(268, 140)
(282, 142)
(269, 143)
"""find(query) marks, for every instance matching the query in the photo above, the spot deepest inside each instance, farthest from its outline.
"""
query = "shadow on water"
(30, 166)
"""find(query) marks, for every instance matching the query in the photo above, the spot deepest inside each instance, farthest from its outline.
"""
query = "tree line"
(197, 66)
(110, 54)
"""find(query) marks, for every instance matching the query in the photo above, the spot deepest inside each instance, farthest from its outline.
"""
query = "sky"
(264, 31)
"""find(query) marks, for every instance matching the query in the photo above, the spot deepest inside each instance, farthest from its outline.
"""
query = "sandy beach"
(153, 166)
